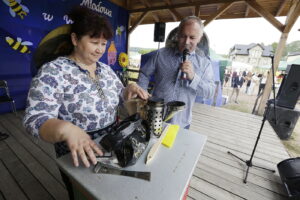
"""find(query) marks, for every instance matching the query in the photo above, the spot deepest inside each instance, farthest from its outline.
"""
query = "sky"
(223, 34)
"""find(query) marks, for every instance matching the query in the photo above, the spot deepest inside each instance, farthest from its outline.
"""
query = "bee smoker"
(159, 112)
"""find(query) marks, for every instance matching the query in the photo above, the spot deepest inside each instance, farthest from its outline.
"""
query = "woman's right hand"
(78, 141)
(81, 146)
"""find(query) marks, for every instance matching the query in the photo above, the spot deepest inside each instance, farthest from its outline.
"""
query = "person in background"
(248, 82)
(74, 98)
(227, 77)
(245, 72)
(169, 69)
(237, 84)
(254, 83)
(262, 84)
(234, 75)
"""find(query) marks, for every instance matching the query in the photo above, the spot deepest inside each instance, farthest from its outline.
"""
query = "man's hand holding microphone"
(186, 67)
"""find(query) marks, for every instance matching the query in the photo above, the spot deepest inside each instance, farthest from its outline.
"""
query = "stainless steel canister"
(155, 115)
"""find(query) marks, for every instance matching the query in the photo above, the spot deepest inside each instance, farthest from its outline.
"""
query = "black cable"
(273, 87)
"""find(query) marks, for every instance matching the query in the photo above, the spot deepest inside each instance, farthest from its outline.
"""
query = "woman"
(74, 98)
(249, 82)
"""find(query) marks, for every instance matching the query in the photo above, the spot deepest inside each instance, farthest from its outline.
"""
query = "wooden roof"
(151, 11)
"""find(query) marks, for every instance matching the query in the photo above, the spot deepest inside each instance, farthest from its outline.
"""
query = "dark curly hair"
(88, 22)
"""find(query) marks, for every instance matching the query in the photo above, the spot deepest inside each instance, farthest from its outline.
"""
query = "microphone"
(185, 54)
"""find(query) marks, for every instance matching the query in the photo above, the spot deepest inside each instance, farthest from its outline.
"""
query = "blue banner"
(26, 22)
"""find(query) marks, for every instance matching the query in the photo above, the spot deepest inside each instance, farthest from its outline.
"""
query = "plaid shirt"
(165, 65)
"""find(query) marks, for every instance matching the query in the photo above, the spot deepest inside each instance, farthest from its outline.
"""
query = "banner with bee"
(24, 23)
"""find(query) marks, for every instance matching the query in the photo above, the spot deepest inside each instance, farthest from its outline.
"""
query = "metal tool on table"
(102, 168)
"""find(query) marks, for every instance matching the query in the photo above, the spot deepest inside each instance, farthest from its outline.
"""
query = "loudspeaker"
(289, 90)
(286, 120)
(159, 31)
(289, 171)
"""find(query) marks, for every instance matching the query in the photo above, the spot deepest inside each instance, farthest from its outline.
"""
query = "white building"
(256, 55)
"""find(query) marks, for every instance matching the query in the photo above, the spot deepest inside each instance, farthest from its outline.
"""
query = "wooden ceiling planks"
(175, 10)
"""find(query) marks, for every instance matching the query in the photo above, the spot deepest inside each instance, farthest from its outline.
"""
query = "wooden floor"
(28, 169)
(219, 175)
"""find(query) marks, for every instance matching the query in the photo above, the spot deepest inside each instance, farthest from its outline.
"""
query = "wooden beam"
(175, 14)
(281, 6)
(247, 11)
(290, 21)
(145, 3)
(155, 17)
(193, 10)
(182, 5)
(148, 5)
(292, 16)
(127, 4)
(220, 12)
(143, 15)
(178, 15)
(197, 11)
(264, 13)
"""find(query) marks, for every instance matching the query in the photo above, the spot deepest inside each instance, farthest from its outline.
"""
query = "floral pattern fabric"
(65, 91)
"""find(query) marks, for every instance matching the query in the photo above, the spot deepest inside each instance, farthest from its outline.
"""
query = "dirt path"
(246, 104)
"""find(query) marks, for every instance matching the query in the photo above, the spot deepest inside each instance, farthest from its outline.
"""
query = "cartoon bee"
(15, 7)
(19, 45)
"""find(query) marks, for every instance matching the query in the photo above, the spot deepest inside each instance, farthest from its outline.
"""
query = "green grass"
(241, 107)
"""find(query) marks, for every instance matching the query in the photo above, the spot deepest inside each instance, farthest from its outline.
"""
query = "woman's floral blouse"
(65, 91)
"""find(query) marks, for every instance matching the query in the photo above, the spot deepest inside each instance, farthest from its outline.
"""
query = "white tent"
(239, 66)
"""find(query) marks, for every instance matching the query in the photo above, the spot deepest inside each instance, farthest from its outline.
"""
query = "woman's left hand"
(133, 90)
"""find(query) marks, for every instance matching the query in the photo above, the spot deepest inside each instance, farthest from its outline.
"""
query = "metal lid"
(154, 101)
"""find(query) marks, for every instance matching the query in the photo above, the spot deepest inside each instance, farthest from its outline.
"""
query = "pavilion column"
(290, 21)
(269, 82)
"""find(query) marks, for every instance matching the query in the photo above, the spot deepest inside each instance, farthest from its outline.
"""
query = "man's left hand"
(187, 67)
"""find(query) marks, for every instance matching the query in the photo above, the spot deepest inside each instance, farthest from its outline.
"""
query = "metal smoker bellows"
(155, 111)
(158, 112)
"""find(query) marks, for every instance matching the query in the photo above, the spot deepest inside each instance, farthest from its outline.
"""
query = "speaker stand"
(249, 162)
(267, 109)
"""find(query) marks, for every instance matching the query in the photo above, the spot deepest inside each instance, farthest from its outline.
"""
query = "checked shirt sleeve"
(203, 82)
(147, 71)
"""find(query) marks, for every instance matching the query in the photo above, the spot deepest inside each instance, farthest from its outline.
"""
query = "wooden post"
(290, 21)
(268, 86)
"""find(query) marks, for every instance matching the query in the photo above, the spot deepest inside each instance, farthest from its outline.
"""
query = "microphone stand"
(267, 109)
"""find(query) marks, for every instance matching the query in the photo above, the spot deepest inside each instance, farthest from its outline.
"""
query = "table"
(171, 170)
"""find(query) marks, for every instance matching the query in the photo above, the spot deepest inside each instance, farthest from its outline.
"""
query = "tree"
(144, 51)
(289, 48)
(294, 46)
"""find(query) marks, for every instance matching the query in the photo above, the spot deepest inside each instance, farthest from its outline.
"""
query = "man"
(169, 69)
(237, 83)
